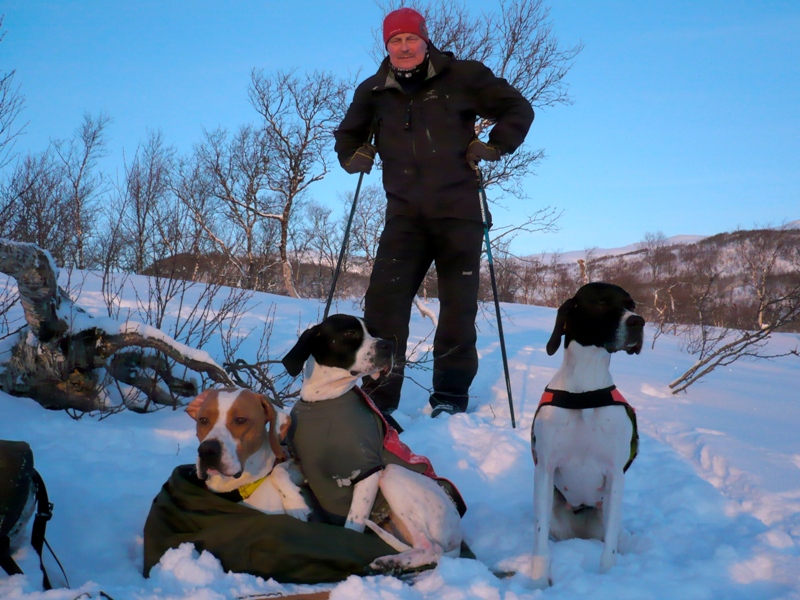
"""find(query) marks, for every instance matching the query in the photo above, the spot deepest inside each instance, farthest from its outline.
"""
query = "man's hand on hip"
(478, 150)
(362, 160)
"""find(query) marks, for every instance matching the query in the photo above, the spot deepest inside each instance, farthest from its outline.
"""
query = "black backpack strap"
(44, 512)
(16, 467)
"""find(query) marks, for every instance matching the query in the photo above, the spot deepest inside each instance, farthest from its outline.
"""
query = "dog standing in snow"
(360, 472)
(584, 434)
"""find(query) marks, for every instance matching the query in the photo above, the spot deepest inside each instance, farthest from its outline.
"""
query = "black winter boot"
(448, 403)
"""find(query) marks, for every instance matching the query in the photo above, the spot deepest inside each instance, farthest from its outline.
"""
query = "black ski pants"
(407, 248)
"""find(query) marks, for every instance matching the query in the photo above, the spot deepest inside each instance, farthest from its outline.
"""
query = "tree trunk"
(65, 359)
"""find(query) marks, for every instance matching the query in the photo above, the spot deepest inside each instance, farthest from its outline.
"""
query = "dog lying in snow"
(360, 472)
(238, 453)
(584, 435)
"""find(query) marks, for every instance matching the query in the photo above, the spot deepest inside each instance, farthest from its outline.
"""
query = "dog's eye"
(240, 420)
(203, 420)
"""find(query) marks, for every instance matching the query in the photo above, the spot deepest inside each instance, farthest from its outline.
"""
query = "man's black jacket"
(422, 137)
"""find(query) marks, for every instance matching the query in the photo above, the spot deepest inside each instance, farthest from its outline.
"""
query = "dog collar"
(248, 490)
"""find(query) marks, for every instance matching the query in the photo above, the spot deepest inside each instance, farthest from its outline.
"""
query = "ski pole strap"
(482, 198)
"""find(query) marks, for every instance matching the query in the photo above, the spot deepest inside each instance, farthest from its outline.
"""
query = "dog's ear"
(298, 355)
(194, 406)
(284, 423)
(558, 329)
(272, 419)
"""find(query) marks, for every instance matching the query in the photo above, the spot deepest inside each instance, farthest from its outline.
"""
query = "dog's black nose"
(210, 452)
(634, 322)
(634, 334)
(384, 351)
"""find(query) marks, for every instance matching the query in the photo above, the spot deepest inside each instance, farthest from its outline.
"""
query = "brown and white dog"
(584, 433)
(423, 519)
(238, 452)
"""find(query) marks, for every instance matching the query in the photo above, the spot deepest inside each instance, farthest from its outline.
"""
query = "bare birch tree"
(234, 196)
(367, 225)
(761, 256)
(315, 242)
(776, 305)
(145, 202)
(299, 114)
(660, 266)
(11, 104)
(37, 208)
(78, 157)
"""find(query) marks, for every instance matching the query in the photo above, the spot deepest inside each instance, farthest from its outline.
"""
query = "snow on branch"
(66, 359)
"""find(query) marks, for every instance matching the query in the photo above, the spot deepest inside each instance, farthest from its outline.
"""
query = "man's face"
(406, 50)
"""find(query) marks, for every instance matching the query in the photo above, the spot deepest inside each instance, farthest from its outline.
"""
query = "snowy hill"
(573, 255)
(712, 503)
(676, 240)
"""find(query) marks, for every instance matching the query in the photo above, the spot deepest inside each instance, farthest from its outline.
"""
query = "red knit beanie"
(404, 20)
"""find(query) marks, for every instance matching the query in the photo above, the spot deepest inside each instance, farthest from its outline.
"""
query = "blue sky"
(685, 117)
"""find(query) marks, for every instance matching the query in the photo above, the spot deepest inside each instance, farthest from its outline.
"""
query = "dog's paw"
(542, 583)
(540, 578)
(391, 565)
(607, 560)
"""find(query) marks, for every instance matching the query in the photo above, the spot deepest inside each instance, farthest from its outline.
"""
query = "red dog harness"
(609, 396)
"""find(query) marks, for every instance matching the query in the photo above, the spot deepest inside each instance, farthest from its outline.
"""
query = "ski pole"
(484, 216)
(344, 246)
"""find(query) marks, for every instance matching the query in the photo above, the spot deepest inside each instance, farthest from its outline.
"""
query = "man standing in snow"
(421, 107)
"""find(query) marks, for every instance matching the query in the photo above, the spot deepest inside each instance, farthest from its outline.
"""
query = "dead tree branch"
(63, 355)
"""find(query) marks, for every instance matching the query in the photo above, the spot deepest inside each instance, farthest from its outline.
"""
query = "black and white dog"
(584, 435)
(337, 437)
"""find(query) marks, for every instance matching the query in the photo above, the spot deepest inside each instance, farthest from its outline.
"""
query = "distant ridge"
(675, 240)
(574, 255)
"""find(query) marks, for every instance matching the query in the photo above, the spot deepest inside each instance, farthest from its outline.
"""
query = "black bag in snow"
(21, 491)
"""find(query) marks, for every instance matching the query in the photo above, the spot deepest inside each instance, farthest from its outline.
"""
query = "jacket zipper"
(430, 140)
(427, 131)
(407, 125)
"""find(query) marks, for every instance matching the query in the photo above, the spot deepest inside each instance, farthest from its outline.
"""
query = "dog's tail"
(388, 537)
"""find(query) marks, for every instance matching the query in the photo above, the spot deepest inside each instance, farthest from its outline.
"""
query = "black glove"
(478, 150)
(361, 161)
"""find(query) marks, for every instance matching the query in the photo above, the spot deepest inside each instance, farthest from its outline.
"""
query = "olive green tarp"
(248, 541)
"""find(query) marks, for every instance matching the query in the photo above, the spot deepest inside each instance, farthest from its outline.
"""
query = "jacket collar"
(437, 62)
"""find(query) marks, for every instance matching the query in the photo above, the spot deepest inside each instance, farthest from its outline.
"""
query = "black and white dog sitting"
(348, 453)
(584, 434)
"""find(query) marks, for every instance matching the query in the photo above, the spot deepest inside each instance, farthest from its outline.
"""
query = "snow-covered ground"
(712, 503)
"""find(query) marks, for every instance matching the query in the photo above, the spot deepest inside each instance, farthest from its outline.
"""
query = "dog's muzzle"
(634, 334)
(379, 361)
(384, 355)
(209, 457)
